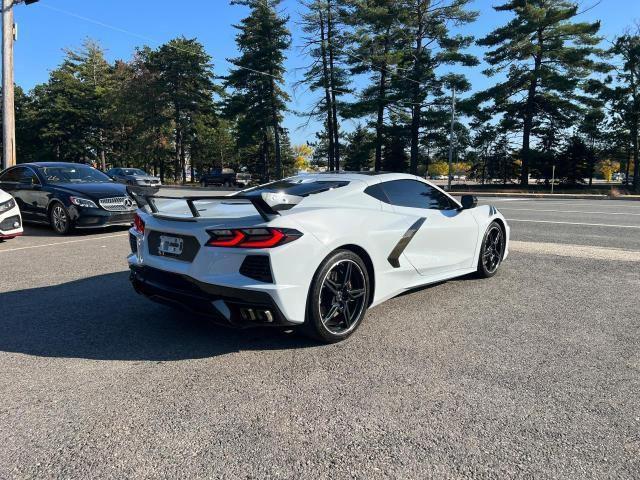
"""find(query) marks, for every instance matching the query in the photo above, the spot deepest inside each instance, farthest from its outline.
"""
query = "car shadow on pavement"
(101, 318)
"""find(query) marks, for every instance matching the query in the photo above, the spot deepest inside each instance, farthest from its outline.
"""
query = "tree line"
(381, 74)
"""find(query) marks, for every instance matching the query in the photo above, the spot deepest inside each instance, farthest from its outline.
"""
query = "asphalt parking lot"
(534, 373)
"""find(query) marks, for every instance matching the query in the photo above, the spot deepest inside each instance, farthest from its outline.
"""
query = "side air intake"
(257, 267)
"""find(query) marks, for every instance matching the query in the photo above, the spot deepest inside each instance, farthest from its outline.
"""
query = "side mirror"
(469, 201)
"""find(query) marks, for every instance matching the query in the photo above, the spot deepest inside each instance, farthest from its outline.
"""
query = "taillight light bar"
(138, 224)
(251, 237)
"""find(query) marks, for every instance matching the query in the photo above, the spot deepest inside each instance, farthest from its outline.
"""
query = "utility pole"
(8, 113)
(451, 134)
(8, 106)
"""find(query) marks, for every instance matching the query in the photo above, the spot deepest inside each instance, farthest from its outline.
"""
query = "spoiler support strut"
(145, 197)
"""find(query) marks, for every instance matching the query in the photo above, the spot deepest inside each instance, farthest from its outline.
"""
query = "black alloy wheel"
(339, 297)
(493, 247)
(59, 219)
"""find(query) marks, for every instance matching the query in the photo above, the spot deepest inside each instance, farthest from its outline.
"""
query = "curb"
(562, 196)
(201, 189)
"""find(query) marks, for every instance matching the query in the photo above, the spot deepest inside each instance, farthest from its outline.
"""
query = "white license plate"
(170, 245)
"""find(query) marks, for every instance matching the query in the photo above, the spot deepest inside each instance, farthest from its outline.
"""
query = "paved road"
(534, 373)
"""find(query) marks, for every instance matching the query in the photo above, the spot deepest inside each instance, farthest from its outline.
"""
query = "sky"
(50, 26)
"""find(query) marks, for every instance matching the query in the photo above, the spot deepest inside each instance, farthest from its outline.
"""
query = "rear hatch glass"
(278, 196)
(179, 208)
(297, 186)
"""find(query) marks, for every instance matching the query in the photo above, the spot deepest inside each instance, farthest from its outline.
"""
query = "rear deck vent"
(133, 243)
(257, 267)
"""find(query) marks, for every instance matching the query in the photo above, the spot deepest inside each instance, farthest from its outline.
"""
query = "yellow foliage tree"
(607, 168)
(461, 168)
(302, 154)
(438, 168)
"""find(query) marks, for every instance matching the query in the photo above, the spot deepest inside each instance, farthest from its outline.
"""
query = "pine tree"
(377, 33)
(71, 107)
(591, 129)
(145, 103)
(28, 143)
(395, 158)
(428, 45)
(184, 73)
(545, 54)
(96, 73)
(627, 94)
(359, 150)
(324, 44)
(258, 100)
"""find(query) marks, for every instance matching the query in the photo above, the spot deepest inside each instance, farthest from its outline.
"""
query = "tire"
(338, 298)
(492, 251)
(60, 220)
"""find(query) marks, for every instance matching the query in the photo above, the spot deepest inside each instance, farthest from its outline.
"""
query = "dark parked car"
(133, 176)
(68, 196)
(225, 177)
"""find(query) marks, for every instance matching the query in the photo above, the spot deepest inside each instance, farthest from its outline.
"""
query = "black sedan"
(133, 176)
(68, 196)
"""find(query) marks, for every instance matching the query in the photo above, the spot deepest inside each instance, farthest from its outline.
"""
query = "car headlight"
(8, 205)
(83, 202)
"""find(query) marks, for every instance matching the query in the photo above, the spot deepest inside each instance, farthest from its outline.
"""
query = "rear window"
(300, 187)
(132, 171)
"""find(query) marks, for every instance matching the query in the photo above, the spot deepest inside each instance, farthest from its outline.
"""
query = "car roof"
(369, 178)
(51, 164)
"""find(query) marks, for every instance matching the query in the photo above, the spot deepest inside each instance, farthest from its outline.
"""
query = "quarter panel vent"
(257, 267)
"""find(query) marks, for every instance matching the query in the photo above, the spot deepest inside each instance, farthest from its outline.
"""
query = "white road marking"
(573, 223)
(64, 243)
(496, 199)
(576, 251)
(594, 203)
(566, 211)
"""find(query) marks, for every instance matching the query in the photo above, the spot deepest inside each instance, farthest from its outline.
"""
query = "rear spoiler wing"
(145, 198)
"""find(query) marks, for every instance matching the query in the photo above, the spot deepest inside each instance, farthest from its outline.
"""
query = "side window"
(414, 194)
(27, 177)
(12, 176)
(445, 202)
(377, 192)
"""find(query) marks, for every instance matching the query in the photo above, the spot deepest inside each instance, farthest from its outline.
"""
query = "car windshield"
(298, 186)
(73, 174)
(133, 171)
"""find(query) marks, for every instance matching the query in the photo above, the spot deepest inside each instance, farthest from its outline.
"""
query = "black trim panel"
(394, 256)
(189, 294)
(257, 267)
(191, 246)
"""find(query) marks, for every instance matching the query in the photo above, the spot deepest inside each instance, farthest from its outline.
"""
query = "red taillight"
(138, 224)
(252, 237)
(225, 238)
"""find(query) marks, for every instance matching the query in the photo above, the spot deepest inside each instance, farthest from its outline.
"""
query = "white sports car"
(10, 218)
(313, 250)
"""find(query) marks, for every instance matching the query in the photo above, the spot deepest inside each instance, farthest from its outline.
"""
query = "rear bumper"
(225, 305)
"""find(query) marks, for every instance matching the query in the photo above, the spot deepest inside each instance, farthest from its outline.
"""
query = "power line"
(149, 39)
(145, 38)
